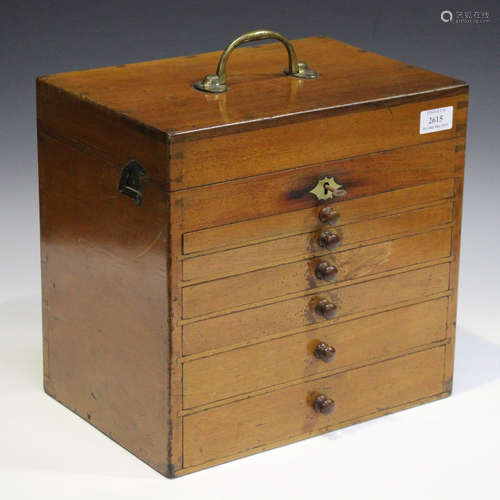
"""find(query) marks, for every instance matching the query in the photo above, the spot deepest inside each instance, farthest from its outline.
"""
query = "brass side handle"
(131, 179)
(217, 83)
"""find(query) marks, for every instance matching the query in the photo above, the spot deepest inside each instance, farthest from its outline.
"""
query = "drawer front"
(245, 289)
(269, 253)
(289, 412)
(302, 221)
(345, 133)
(291, 358)
(285, 316)
(273, 194)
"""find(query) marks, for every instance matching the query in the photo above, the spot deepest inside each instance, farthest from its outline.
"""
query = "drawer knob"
(324, 405)
(328, 240)
(326, 309)
(326, 271)
(328, 215)
(324, 352)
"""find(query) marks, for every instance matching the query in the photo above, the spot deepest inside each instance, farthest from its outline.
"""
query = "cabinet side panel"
(105, 294)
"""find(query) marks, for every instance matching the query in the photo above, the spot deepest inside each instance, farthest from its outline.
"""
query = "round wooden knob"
(326, 271)
(324, 352)
(328, 240)
(329, 215)
(324, 405)
(326, 309)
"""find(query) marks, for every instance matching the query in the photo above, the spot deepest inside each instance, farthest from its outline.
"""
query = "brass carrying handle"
(217, 83)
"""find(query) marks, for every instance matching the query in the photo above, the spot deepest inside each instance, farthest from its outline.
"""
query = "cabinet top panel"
(160, 94)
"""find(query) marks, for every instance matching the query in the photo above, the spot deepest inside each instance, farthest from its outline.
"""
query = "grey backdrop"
(55, 36)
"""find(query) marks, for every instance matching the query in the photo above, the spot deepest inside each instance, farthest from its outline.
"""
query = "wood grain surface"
(104, 297)
(160, 95)
(265, 195)
(310, 434)
(280, 414)
(269, 228)
(245, 289)
(292, 144)
(284, 316)
(292, 357)
(274, 252)
(200, 306)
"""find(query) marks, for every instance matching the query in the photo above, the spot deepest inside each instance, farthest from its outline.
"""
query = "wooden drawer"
(285, 413)
(261, 229)
(278, 193)
(293, 357)
(240, 327)
(245, 289)
(269, 253)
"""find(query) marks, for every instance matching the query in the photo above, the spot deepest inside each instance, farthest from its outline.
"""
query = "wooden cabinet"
(227, 272)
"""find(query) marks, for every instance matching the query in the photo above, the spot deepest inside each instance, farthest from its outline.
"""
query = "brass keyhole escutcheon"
(328, 188)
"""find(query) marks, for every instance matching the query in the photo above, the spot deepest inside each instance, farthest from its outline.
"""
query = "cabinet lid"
(160, 94)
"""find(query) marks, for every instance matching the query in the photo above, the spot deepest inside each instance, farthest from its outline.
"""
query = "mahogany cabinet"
(247, 259)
